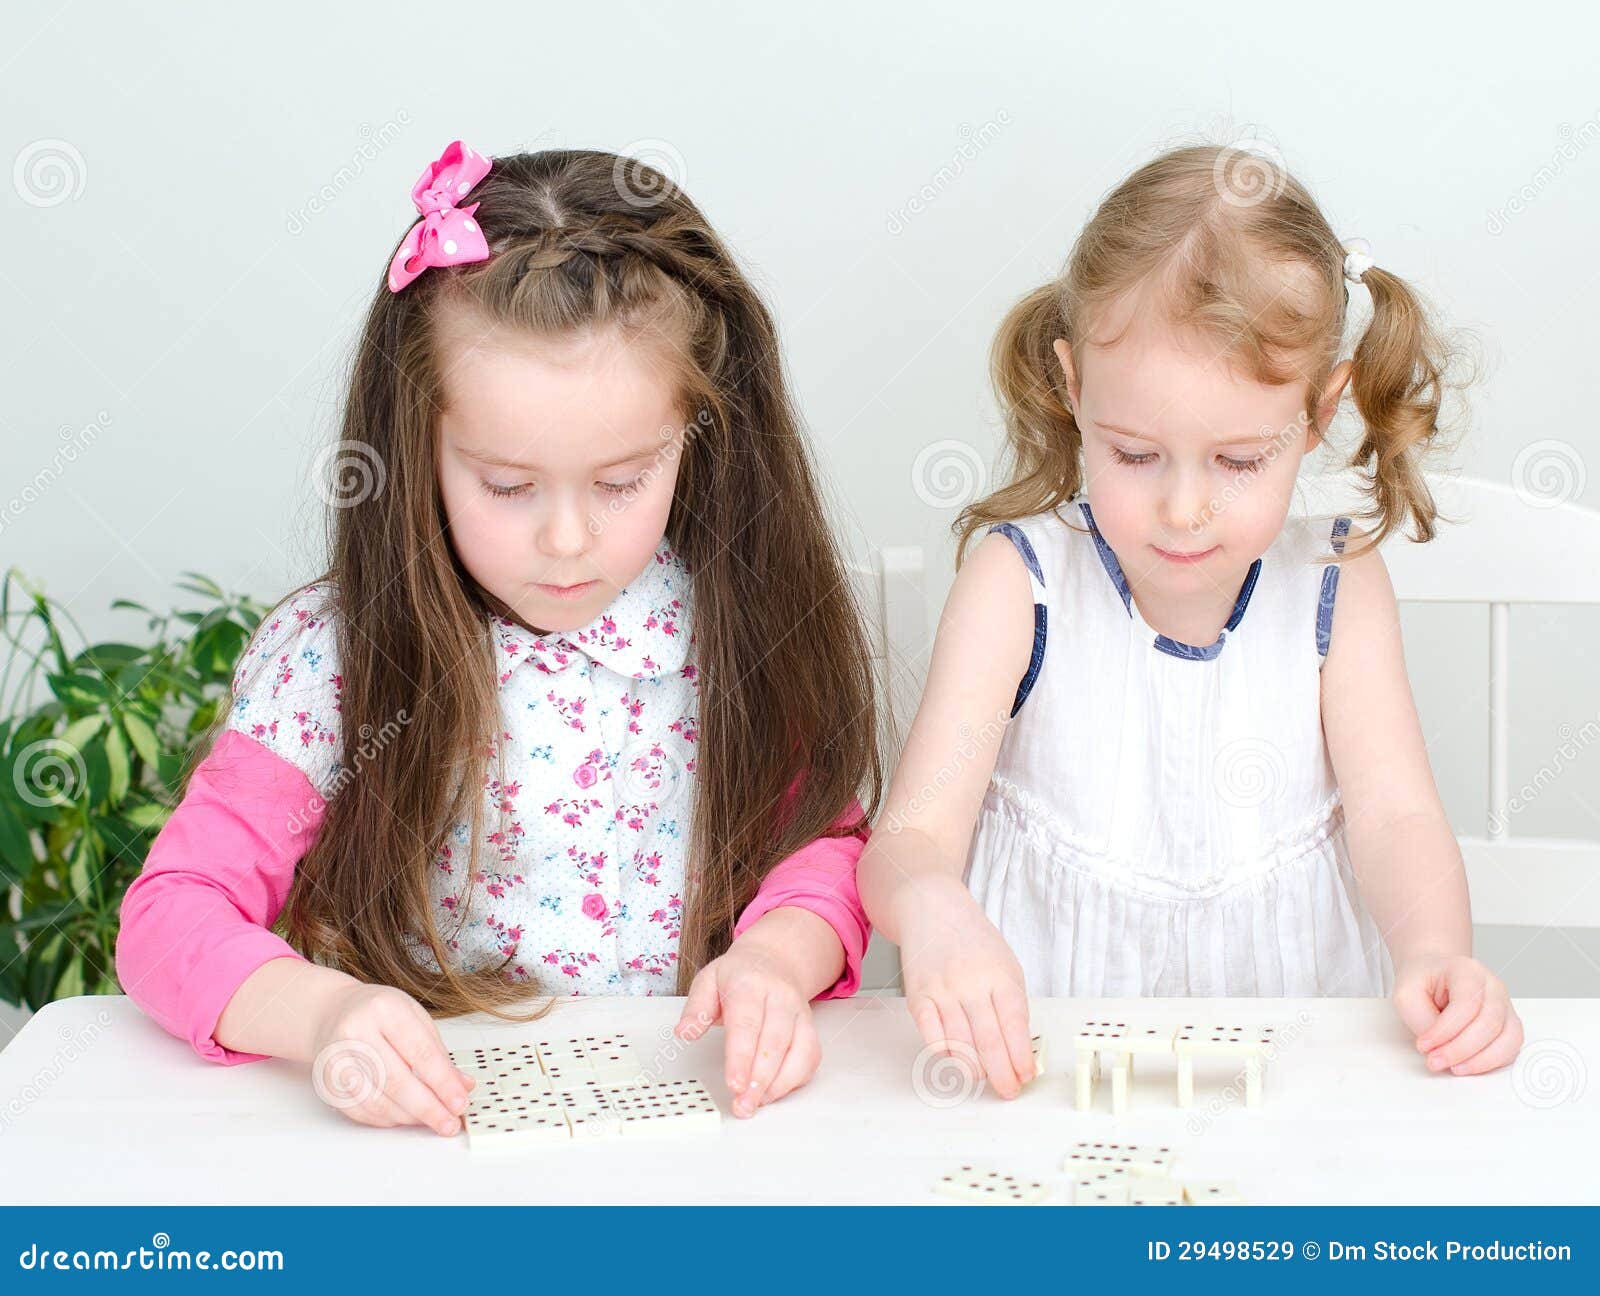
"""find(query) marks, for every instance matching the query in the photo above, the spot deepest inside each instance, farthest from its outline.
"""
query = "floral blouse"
(579, 877)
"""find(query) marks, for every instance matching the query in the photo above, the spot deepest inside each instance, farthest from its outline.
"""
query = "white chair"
(1501, 547)
(891, 592)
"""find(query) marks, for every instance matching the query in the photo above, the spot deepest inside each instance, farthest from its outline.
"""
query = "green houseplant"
(95, 746)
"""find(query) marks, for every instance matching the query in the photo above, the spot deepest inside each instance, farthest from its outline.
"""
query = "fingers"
(1465, 988)
(417, 1041)
(805, 1051)
(955, 1036)
(1472, 1039)
(701, 1008)
(993, 1055)
(410, 1093)
(1414, 1002)
(926, 1015)
(1500, 1052)
(1011, 1007)
(772, 1047)
(742, 1018)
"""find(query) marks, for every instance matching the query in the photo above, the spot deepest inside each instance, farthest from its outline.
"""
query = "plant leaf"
(80, 731)
(117, 759)
(151, 814)
(81, 690)
(142, 736)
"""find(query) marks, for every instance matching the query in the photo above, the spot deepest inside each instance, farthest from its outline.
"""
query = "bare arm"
(275, 1008)
(980, 654)
(963, 985)
(1406, 859)
(1405, 856)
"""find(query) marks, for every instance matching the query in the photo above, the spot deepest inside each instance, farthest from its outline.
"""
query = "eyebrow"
(495, 461)
(1233, 440)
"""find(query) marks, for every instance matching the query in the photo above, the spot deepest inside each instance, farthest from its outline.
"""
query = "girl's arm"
(801, 938)
(963, 985)
(819, 879)
(1405, 856)
(196, 952)
(196, 922)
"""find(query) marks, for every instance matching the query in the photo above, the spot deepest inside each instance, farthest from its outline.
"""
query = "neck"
(1196, 618)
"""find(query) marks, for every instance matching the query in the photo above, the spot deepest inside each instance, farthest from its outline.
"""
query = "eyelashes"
(509, 492)
(1232, 465)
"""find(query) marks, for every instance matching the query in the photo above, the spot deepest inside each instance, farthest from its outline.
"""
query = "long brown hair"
(581, 239)
(1241, 253)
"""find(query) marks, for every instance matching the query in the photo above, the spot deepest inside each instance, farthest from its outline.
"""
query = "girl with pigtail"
(1191, 764)
(582, 704)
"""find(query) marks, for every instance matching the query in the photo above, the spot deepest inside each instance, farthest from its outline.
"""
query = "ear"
(1064, 355)
(1329, 404)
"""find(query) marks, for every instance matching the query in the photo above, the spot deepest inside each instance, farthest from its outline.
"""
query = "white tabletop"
(98, 1105)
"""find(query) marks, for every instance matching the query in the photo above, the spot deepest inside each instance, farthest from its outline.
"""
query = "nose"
(1185, 502)
(564, 529)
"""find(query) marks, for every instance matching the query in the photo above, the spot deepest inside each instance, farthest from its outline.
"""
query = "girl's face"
(557, 460)
(1189, 467)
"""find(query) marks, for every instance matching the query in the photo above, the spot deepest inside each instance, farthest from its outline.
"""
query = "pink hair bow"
(446, 235)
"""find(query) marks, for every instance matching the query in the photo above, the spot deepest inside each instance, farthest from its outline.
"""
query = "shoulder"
(988, 621)
(303, 619)
(287, 683)
(1040, 541)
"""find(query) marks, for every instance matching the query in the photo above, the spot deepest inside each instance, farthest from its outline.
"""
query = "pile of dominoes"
(1104, 1174)
(1251, 1044)
(588, 1086)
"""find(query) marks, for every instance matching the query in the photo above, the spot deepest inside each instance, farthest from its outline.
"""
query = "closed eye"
(507, 492)
(1122, 456)
(617, 488)
(1241, 465)
(504, 492)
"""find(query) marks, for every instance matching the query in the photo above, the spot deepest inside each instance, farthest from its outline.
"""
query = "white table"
(99, 1106)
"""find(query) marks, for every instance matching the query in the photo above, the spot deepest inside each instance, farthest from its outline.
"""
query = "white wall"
(894, 176)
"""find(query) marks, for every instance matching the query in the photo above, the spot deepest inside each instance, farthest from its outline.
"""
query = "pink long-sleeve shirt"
(196, 922)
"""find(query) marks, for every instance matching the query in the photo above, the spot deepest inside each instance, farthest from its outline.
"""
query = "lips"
(1193, 555)
(566, 591)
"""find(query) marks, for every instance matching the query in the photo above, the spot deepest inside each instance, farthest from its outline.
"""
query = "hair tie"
(446, 235)
(1357, 259)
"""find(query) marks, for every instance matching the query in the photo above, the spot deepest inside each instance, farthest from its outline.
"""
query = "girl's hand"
(1459, 1011)
(377, 1057)
(771, 1043)
(964, 986)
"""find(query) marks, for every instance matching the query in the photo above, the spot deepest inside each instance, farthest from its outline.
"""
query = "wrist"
(277, 1008)
(796, 945)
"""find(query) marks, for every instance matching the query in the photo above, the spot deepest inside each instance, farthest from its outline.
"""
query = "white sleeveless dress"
(1163, 817)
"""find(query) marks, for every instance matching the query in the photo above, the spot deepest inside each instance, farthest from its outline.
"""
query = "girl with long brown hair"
(1167, 728)
(582, 703)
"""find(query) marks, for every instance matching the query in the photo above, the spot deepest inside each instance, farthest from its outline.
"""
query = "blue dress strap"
(1330, 587)
(1030, 559)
